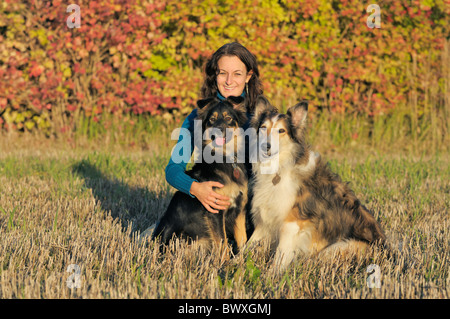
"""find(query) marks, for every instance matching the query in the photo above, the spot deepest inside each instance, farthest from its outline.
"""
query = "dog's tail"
(366, 227)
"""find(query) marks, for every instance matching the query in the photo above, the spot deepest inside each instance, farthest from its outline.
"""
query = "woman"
(231, 71)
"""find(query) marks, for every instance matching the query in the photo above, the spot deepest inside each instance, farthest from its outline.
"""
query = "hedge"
(147, 57)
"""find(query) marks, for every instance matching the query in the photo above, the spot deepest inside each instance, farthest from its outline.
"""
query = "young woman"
(231, 71)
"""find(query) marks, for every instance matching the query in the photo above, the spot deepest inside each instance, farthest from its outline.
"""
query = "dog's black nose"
(265, 147)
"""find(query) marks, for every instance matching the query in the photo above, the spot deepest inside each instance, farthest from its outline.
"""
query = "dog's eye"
(263, 127)
(228, 119)
(281, 130)
(212, 120)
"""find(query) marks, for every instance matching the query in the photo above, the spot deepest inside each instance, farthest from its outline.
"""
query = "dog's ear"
(298, 114)
(202, 103)
(236, 100)
(203, 107)
(238, 103)
(262, 105)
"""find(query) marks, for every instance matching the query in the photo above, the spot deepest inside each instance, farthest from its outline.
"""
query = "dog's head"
(280, 136)
(221, 121)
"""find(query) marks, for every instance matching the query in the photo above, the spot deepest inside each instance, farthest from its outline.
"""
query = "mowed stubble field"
(86, 205)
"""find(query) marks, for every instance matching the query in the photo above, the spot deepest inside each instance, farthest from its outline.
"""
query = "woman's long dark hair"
(210, 88)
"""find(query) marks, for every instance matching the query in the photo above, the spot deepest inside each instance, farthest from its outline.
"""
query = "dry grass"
(62, 205)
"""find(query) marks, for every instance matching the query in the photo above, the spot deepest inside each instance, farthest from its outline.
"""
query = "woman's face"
(232, 76)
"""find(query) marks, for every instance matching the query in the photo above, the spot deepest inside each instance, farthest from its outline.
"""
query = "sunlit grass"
(85, 200)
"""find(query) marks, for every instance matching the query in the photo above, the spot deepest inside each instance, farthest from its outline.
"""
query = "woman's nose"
(228, 80)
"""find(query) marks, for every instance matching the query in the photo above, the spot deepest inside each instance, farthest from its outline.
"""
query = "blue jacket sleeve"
(176, 168)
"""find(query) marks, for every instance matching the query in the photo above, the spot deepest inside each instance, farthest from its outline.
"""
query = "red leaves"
(3, 102)
(147, 56)
(78, 69)
(315, 74)
(36, 70)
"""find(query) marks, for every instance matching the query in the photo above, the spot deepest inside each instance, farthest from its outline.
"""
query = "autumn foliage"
(147, 56)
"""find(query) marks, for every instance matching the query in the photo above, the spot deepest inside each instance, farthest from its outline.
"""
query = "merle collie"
(186, 217)
(300, 205)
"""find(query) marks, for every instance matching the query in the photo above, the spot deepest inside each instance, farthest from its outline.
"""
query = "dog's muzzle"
(265, 147)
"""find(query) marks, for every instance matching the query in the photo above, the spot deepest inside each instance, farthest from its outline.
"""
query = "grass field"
(84, 204)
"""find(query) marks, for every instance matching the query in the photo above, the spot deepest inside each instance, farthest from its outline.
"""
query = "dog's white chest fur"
(271, 203)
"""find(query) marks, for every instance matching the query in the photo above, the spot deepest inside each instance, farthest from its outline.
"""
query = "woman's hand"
(212, 201)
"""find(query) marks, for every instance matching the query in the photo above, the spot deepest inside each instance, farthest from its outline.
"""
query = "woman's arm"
(176, 168)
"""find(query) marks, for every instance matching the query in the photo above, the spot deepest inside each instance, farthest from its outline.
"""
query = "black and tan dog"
(301, 206)
(186, 217)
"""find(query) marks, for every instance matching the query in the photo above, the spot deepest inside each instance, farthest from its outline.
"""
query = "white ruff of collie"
(298, 204)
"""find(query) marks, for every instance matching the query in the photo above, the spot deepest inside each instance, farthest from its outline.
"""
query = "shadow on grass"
(135, 206)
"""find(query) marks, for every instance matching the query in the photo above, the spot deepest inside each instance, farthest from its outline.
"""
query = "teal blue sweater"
(176, 168)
